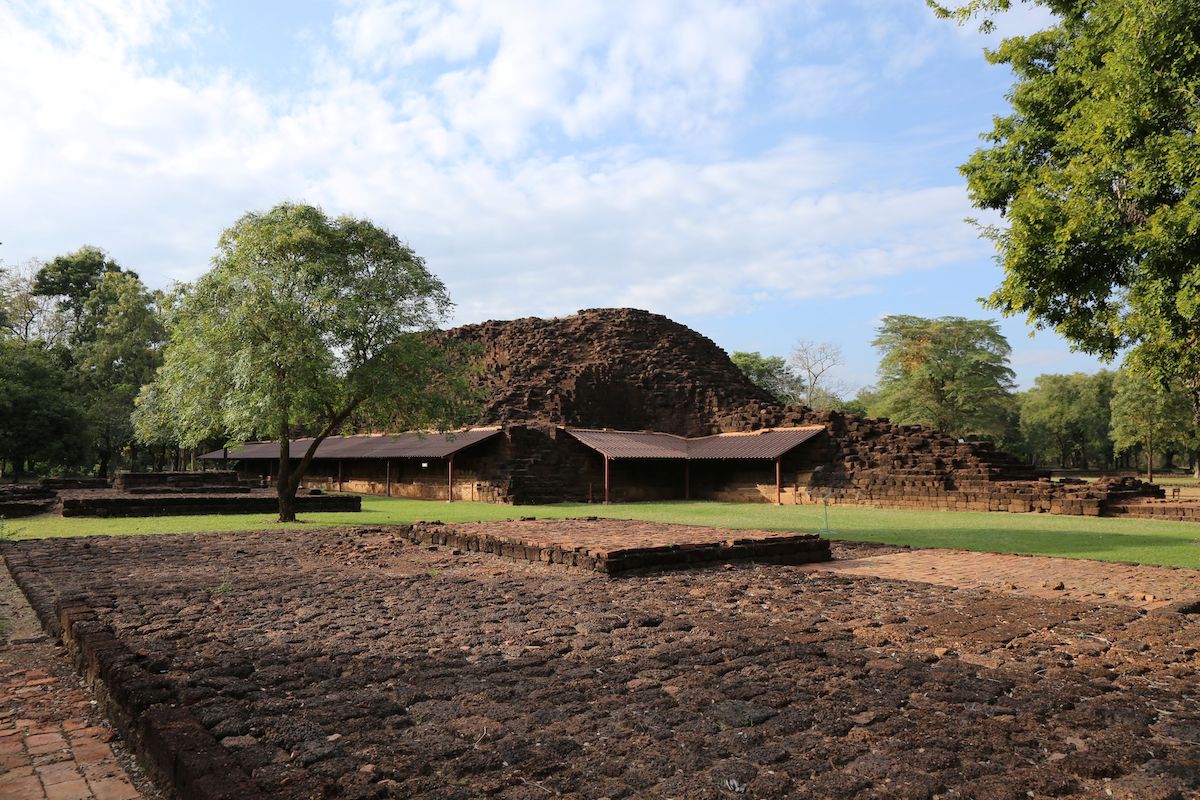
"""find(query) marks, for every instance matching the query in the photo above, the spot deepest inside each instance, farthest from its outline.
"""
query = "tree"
(1097, 175)
(771, 374)
(1067, 418)
(119, 348)
(25, 315)
(303, 324)
(39, 419)
(72, 278)
(950, 373)
(813, 361)
(1147, 416)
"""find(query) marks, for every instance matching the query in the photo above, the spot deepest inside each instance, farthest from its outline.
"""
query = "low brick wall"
(213, 480)
(543, 542)
(25, 500)
(157, 505)
(1171, 510)
(172, 744)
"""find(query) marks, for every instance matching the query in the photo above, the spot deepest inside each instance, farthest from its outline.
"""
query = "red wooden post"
(606, 459)
(387, 471)
(340, 462)
(450, 479)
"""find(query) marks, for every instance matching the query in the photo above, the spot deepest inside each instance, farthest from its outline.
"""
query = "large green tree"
(771, 374)
(71, 278)
(41, 425)
(1147, 416)
(118, 349)
(950, 373)
(1097, 175)
(1066, 418)
(304, 324)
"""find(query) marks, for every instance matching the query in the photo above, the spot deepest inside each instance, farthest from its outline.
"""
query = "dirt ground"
(343, 663)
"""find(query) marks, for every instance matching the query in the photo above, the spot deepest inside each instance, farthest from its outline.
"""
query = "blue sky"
(764, 172)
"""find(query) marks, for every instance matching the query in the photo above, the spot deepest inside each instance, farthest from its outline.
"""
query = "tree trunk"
(104, 459)
(1149, 460)
(284, 488)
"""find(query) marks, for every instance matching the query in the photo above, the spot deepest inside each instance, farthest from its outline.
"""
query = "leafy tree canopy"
(40, 421)
(1147, 415)
(1065, 418)
(950, 373)
(73, 277)
(771, 374)
(304, 324)
(118, 351)
(1097, 174)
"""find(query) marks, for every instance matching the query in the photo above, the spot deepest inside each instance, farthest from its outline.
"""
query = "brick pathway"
(1088, 581)
(52, 745)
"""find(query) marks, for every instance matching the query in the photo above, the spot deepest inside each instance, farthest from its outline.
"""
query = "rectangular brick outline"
(802, 548)
(180, 753)
(177, 751)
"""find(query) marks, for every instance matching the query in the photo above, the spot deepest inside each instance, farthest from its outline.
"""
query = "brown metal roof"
(770, 443)
(400, 445)
(632, 444)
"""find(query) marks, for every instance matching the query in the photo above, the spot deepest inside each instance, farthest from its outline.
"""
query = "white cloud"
(152, 165)
(670, 68)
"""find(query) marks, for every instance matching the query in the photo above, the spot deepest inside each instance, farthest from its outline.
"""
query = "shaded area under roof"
(399, 445)
(765, 444)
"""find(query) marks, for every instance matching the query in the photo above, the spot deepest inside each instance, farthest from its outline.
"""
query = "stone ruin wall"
(631, 370)
(875, 463)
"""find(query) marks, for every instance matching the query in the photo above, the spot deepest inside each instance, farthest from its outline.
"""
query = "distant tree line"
(79, 336)
(305, 326)
(953, 374)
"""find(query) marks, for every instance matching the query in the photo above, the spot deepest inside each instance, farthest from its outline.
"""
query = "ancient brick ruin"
(631, 370)
(546, 382)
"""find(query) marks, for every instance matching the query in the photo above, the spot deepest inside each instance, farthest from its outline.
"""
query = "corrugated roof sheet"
(400, 445)
(632, 444)
(770, 443)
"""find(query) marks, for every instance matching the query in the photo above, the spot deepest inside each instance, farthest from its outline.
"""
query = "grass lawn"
(1144, 541)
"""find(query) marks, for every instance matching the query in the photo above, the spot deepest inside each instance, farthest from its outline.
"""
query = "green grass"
(1143, 541)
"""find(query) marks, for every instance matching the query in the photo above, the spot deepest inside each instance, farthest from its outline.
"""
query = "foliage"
(1146, 415)
(303, 324)
(39, 419)
(118, 351)
(950, 373)
(813, 361)
(72, 278)
(1097, 174)
(25, 315)
(1066, 418)
(771, 374)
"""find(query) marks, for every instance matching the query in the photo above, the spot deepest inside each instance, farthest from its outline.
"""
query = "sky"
(764, 172)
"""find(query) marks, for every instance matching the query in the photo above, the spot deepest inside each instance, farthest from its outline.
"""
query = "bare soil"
(343, 663)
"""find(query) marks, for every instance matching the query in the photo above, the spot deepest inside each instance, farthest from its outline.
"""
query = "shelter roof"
(398, 445)
(770, 443)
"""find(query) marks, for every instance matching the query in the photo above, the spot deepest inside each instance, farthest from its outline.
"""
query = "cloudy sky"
(762, 171)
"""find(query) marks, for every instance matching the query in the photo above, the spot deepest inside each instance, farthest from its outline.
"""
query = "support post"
(450, 478)
(779, 481)
(606, 482)
(340, 462)
(387, 475)
(687, 480)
